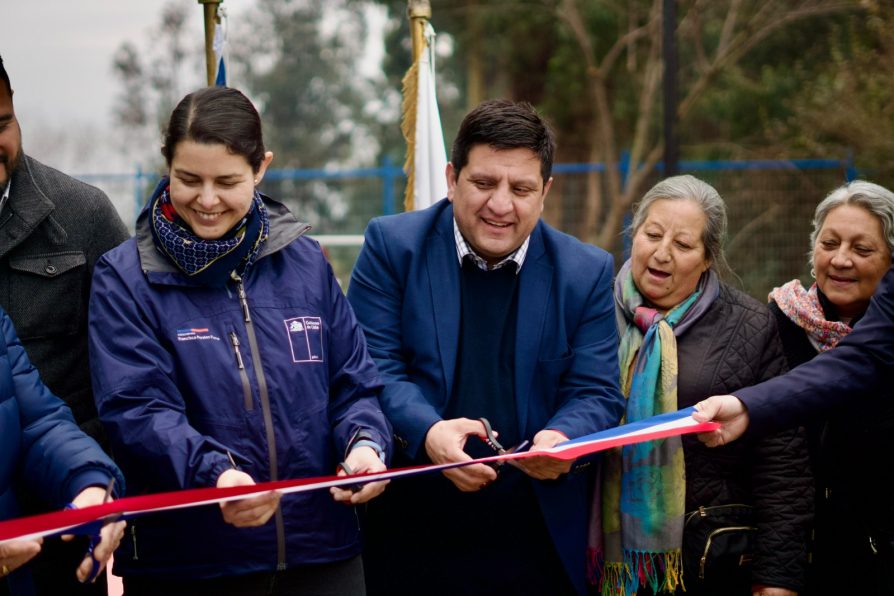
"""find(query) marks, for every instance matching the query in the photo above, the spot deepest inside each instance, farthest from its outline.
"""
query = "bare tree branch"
(608, 61)
(729, 24)
(751, 35)
(651, 78)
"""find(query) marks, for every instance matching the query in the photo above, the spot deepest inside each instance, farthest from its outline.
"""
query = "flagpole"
(419, 12)
(211, 19)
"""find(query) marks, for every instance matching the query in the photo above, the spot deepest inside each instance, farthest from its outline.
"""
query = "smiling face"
(10, 137)
(668, 255)
(850, 257)
(497, 199)
(212, 188)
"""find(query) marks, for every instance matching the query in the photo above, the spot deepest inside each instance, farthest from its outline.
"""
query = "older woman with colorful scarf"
(224, 353)
(851, 246)
(671, 515)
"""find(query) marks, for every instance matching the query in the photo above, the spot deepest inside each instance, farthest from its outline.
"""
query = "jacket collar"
(284, 229)
(27, 207)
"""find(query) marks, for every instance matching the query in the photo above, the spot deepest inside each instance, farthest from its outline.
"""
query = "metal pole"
(669, 49)
(211, 19)
(419, 12)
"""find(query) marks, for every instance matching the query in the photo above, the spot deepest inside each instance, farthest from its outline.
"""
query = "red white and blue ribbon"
(79, 521)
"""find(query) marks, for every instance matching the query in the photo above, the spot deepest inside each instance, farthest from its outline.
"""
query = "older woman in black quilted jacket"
(671, 514)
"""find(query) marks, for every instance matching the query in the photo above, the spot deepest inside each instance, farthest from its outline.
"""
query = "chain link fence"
(770, 206)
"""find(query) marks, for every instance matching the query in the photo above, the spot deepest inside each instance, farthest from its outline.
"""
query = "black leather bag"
(718, 547)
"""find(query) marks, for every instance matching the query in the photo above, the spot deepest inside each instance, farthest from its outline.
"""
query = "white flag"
(430, 159)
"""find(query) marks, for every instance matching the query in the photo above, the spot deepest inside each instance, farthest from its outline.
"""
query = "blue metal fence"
(771, 200)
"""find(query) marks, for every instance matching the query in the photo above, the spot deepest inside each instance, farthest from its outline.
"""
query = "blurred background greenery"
(758, 80)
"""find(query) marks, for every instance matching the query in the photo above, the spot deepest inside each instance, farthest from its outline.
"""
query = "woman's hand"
(251, 512)
(16, 553)
(360, 459)
(109, 536)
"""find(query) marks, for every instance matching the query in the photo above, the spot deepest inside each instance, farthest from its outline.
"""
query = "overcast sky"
(59, 57)
(59, 52)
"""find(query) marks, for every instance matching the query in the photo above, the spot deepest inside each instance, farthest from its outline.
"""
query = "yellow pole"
(419, 12)
(211, 19)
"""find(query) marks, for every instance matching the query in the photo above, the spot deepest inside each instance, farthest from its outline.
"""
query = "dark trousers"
(425, 537)
(328, 579)
(844, 559)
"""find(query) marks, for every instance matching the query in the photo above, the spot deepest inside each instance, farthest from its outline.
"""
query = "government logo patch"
(305, 338)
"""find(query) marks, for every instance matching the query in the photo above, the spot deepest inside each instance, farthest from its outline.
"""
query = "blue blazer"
(838, 377)
(405, 290)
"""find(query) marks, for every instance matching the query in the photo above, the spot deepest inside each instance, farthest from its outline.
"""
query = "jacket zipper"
(133, 538)
(243, 375)
(268, 418)
(704, 559)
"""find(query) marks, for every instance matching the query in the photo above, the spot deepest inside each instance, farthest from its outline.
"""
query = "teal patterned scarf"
(636, 528)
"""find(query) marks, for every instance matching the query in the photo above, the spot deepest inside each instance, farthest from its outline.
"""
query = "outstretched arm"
(841, 376)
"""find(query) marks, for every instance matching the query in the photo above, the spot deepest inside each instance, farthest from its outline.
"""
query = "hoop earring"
(813, 273)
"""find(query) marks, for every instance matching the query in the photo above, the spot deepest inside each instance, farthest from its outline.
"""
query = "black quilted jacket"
(734, 345)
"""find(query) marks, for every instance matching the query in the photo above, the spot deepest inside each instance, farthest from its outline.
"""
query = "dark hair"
(217, 115)
(504, 124)
(5, 77)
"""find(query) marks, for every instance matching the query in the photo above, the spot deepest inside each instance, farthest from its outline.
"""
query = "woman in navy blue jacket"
(224, 353)
(45, 450)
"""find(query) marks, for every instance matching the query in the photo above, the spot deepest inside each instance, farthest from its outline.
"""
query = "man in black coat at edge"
(53, 229)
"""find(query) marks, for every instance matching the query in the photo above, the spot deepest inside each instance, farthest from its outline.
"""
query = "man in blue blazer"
(474, 308)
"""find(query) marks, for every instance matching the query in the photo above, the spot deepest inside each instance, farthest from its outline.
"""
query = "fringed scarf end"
(662, 572)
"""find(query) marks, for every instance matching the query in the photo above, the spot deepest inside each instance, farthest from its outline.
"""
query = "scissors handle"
(96, 538)
(490, 438)
(354, 488)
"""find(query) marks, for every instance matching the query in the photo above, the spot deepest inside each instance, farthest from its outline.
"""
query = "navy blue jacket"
(41, 444)
(405, 290)
(272, 371)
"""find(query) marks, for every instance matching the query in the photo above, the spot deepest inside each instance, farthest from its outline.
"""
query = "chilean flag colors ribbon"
(79, 521)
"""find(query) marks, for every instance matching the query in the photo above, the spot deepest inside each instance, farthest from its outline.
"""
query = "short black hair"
(505, 124)
(4, 76)
(217, 115)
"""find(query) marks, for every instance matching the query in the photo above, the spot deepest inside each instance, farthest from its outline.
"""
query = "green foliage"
(302, 76)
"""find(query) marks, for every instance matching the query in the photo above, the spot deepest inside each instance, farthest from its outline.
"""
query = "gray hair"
(683, 188)
(878, 200)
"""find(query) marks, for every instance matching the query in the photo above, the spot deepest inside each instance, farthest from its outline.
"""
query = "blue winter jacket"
(272, 371)
(42, 446)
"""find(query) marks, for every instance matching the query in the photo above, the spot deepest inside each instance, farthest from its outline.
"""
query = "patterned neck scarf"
(209, 262)
(636, 528)
(803, 307)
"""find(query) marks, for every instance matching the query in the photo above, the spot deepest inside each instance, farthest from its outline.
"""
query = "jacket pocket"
(550, 372)
(52, 287)
(554, 368)
(718, 544)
